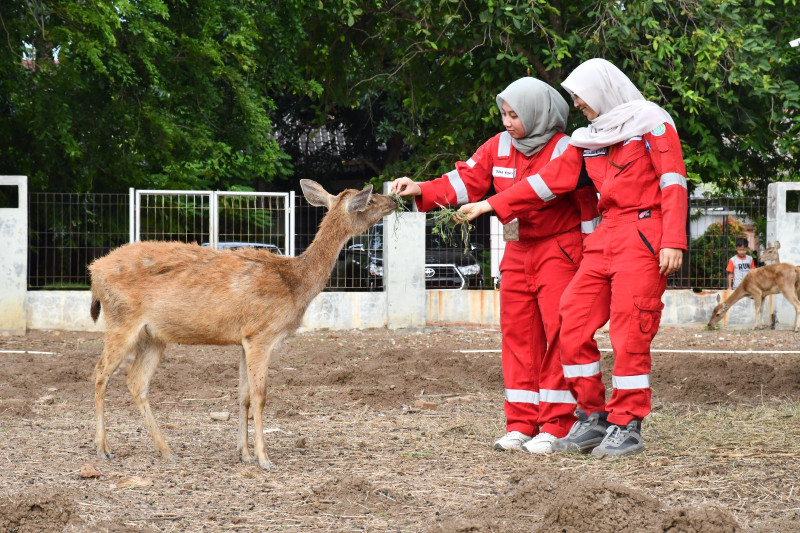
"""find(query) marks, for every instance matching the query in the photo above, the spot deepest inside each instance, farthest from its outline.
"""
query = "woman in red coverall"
(632, 153)
(542, 255)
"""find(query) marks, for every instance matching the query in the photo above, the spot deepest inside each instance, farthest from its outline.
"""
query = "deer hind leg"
(792, 298)
(242, 446)
(257, 355)
(148, 354)
(117, 347)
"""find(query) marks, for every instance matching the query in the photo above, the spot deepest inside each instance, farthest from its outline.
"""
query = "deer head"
(718, 312)
(770, 254)
(360, 209)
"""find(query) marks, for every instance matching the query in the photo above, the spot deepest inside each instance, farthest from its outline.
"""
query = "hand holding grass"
(405, 186)
(472, 211)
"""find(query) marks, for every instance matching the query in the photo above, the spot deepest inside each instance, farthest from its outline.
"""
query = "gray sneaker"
(621, 441)
(585, 435)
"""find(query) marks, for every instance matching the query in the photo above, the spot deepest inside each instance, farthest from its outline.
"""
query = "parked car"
(360, 264)
(234, 245)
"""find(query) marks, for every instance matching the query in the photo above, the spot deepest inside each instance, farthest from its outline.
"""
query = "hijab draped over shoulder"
(623, 111)
(541, 109)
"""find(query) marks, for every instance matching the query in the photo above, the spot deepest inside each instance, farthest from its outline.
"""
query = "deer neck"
(737, 294)
(320, 256)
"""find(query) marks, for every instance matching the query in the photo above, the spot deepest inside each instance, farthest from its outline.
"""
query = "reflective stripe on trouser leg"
(632, 388)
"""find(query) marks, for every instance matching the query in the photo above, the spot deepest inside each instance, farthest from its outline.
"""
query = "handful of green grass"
(445, 220)
(400, 201)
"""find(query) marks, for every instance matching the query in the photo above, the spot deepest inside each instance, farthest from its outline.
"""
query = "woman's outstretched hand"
(474, 210)
(405, 186)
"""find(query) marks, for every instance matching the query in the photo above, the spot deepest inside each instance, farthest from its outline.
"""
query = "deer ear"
(777, 244)
(360, 201)
(315, 194)
(719, 298)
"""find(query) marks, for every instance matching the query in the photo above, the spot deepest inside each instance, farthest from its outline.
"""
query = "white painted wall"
(14, 257)
(69, 310)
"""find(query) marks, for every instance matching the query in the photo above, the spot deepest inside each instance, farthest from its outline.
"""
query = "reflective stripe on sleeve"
(470, 162)
(581, 371)
(540, 188)
(588, 226)
(504, 146)
(556, 396)
(561, 146)
(522, 396)
(672, 178)
(631, 382)
(458, 184)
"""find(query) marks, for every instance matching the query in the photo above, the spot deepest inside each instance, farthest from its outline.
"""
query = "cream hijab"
(542, 111)
(623, 111)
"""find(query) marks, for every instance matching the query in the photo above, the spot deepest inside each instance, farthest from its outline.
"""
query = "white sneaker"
(541, 443)
(513, 440)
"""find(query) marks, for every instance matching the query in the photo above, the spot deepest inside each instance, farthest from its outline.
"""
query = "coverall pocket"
(570, 246)
(644, 323)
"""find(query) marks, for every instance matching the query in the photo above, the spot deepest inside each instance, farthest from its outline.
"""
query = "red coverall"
(643, 202)
(534, 270)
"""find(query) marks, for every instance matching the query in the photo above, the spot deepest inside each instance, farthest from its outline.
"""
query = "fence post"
(783, 219)
(404, 270)
(14, 259)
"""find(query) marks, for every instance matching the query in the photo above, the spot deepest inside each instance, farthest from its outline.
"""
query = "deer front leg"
(242, 445)
(257, 354)
(757, 299)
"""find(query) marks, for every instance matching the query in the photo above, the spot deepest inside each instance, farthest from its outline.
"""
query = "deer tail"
(94, 309)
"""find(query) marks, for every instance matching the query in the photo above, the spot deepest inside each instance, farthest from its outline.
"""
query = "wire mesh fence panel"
(67, 231)
(173, 216)
(253, 219)
(451, 262)
(714, 225)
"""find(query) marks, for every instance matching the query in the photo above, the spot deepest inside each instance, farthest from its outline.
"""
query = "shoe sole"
(501, 448)
(571, 447)
(614, 454)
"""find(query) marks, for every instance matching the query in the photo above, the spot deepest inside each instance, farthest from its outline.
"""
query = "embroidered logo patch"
(644, 213)
(659, 130)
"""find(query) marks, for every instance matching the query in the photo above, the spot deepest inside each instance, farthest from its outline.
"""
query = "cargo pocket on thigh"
(644, 323)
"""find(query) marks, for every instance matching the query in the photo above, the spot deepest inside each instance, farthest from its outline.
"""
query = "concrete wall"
(14, 256)
(69, 310)
(783, 225)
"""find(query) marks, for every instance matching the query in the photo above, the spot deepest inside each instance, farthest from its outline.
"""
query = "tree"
(103, 95)
(423, 74)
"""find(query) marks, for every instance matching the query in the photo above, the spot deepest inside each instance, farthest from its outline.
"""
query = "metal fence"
(69, 230)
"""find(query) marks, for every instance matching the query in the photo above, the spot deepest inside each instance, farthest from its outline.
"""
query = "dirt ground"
(356, 451)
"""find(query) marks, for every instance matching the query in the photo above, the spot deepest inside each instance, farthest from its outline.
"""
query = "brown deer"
(155, 293)
(770, 255)
(781, 278)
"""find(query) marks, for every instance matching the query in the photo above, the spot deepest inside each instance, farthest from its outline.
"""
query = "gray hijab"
(542, 110)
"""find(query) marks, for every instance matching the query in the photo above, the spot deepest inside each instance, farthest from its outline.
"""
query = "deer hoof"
(246, 458)
(105, 455)
(266, 465)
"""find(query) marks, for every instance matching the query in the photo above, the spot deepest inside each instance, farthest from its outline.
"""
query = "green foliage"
(420, 77)
(145, 93)
(217, 94)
